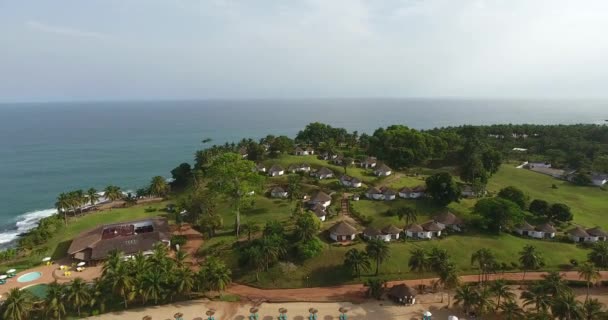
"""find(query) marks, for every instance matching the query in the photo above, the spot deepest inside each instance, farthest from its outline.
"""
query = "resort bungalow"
(243, 152)
(413, 193)
(371, 233)
(388, 194)
(276, 171)
(369, 162)
(278, 192)
(374, 194)
(383, 171)
(319, 211)
(598, 179)
(532, 165)
(427, 230)
(542, 231)
(579, 234)
(467, 191)
(391, 232)
(260, 167)
(342, 231)
(320, 198)
(129, 238)
(328, 156)
(449, 220)
(350, 182)
(402, 294)
(307, 151)
(302, 167)
(323, 173)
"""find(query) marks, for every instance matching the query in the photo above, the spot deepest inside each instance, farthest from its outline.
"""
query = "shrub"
(309, 249)
(178, 240)
(574, 262)
(554, 186)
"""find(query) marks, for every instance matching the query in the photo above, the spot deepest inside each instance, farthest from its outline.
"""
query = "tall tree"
(418, 261)
(234, 177)
(112, 193)
(448, 278)
(54, 302)
(485, 260)
(498, 213)
(159, 186)
(408, 214)
(63, 206)
(500, 289)
(512, 311)
(356, 261)
(590, 274)
(567, 307)
(92, 196)
(306, 227)
(538, 296)
(467, 297)
(17, 305)
(78, 294)
(515, 195)
(377, 250)
(599, 255)
(539, 207)
(594, 310)
(529, 259)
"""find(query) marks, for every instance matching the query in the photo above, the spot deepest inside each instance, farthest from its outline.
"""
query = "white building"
(321, 198)
(323, 173)
(350, 182)
(276, 171)
(278, 192)
(342, 231)
(542, 231)
(383, 171)
(427, 230)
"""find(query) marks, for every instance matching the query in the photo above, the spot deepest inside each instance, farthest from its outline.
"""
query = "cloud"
(64, 31)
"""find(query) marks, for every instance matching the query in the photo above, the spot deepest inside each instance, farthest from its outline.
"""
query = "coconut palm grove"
(481, 222)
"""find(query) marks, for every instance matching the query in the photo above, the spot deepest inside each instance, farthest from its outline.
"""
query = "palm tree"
(159, 186)
(484, 301)
(78, 294)
(501, 290)
(448, 278)
(184, 281)
(554, 284)
(54, 306)
(593, 310)
(17, 305)
(112, 193)
(599, 255)
(99, 293)
(590, 274)
(181, 257)
(485, 260)
(62, 205)
(251, 228)
(294, 188)
(409, 214)
(271, 250)
(530, 259)
(78, 199)
(466, 296)
(437, 259)
(538, 296)
(152, 285)
(511, 310)
(112, 263)
(378, 250)
(218, 275)
(356, 261)
(418, 260)
(255, 259)
(567, 307)
(139, 264)
(122, 282)
(92, 196)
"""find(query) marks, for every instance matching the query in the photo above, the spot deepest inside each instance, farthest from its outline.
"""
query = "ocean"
(48, 148)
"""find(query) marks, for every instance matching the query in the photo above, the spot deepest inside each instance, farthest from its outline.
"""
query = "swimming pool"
(28, 277)
(38, 290)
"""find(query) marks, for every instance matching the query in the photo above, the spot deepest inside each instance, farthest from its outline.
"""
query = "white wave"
(25, 222)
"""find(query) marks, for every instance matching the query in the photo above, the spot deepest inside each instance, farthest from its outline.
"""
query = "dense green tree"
(566, 307)
(309, 248)
(255, 258)
(560, 212)
(234, 177)
(357, 261)
(515, 195)
(92, 195)
(294, 187)
(315, 133)
(437, 259)
(485, 260)
(182, 176)
(63, 205)
(500, 289)
(159, 186)
(409, 214)
(217, 274)
(581, 178)
(537, 296)
(281, 144)
(448, 278)
(54, 304)
(590, 274)
(555, 284)
(378, 250)
(600, 164)
(418, 261)
(512, 311)
(306, 227)
(375, 288)
(442, 188)
(112, 193)
(274, 228)
(498, 213)
(467, 297)
(539, 207)
(599, 255)
(593, 310)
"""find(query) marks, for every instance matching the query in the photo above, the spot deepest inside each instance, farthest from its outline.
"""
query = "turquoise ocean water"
(48, 148)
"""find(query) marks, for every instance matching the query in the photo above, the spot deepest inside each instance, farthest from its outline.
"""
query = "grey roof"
(342, 228)
(383, 168)
(319, 211)
(388, 191)
(448, 218)
(275, 168)
(349, 178)
(260, 166)
(324, 171)
(546, 227)
(414, 228)
(298, 149)
(371, 232)
(597, 232)
(525, 226)
(578, 232)
(391, 229)
(369, 160)
(405, 190)
(277, 190)
(420, 188)
(320, 196)
(431, 226)
(373, 190)
(401, 291)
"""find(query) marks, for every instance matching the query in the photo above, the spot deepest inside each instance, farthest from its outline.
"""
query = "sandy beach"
(370, 309)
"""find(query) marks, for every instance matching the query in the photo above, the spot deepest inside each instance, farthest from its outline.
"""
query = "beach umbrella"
(452, 318)
(178, 316)
(426, 315)
(282, 314)
(210, 313)
(313, 314)
(343, 312)
(253, 313)
(146, 318)
(81, 264)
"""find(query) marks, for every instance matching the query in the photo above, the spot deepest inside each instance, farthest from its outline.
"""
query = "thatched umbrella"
(146, 318)
(282, 314)
(253, 313)
(313, 314)
(210, 313)
(343, 312)
(178, 316)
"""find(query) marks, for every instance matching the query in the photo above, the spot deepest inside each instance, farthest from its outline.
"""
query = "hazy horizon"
(118, 50)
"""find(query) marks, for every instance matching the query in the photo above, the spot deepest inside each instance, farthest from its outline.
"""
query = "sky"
(55, 50)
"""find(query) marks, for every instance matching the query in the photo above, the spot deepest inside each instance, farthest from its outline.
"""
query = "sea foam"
(25, 222)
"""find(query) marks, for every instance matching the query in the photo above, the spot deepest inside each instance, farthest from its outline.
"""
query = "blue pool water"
(28, 277)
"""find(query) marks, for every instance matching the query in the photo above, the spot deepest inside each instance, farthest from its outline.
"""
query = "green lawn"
(589, 204)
